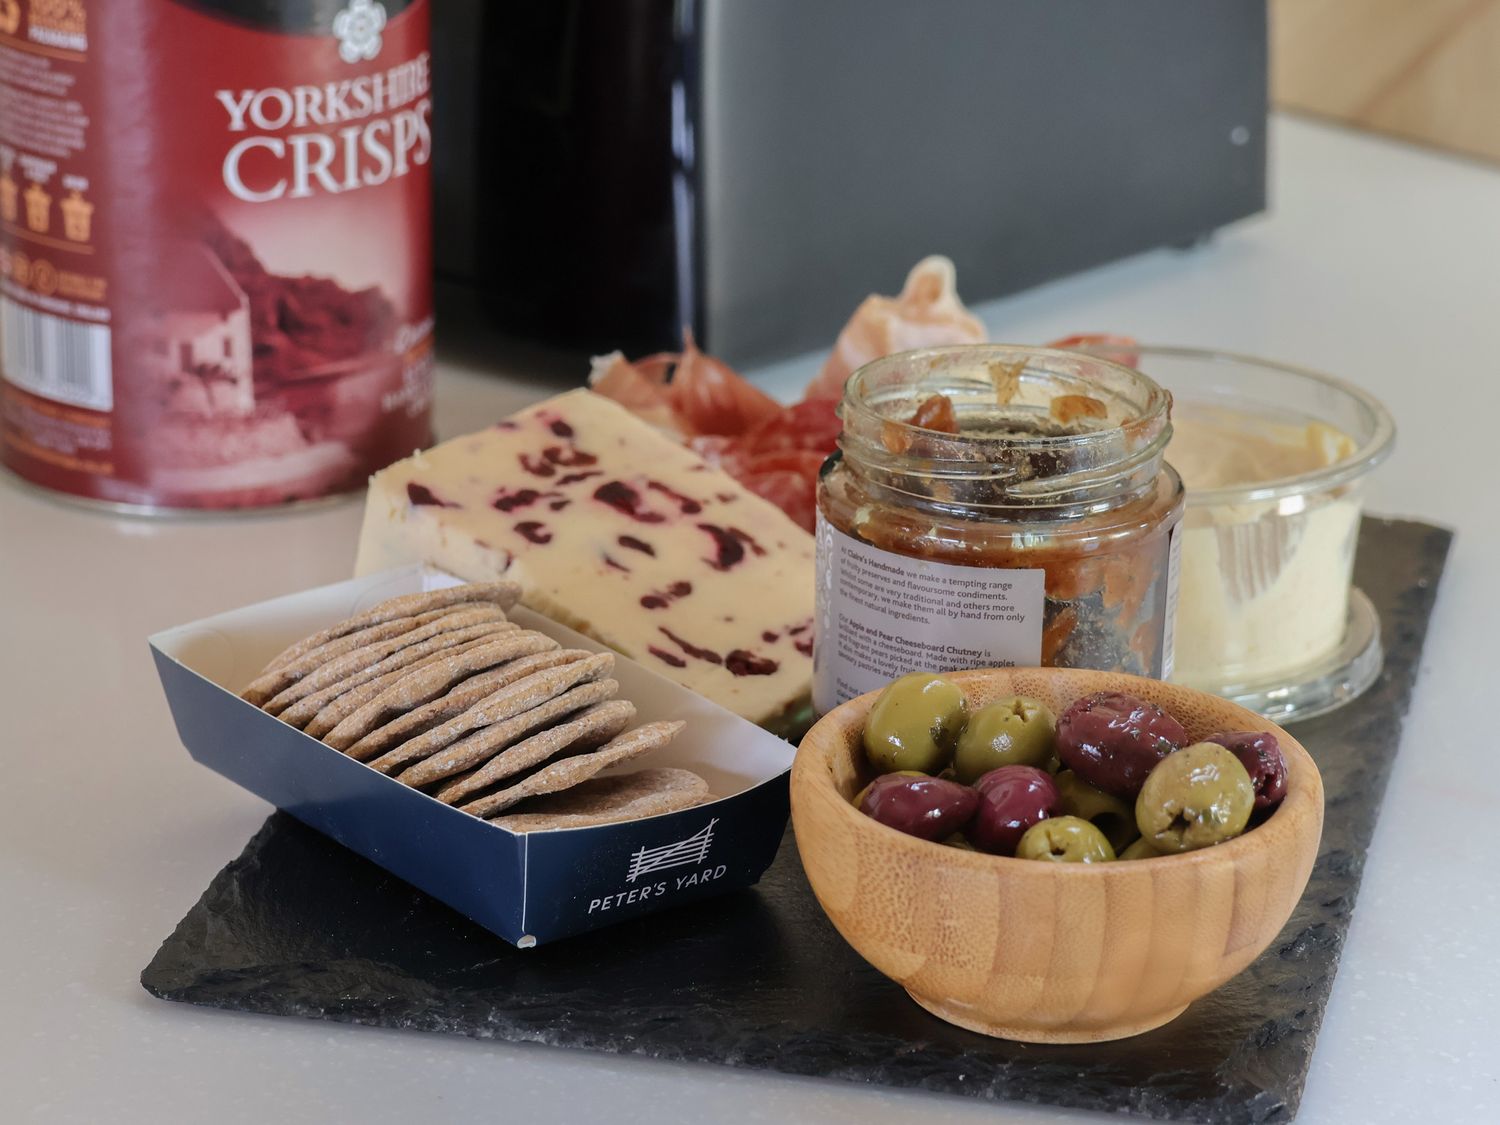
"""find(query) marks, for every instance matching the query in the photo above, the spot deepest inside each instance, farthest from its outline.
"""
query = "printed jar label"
(881, 615)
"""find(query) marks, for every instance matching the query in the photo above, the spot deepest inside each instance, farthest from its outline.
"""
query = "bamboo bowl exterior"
(1043, 952)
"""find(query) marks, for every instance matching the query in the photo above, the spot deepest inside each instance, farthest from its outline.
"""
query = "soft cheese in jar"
(995, 506)
(1275, 459)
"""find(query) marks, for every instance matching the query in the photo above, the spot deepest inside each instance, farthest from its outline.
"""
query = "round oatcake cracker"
(584, 730)
(609, 800)
(272, 680)
(570, 771)
(447, 631)
(321, 711)
(435, 678)
(504, 594)
(540, 707)
(464, 695)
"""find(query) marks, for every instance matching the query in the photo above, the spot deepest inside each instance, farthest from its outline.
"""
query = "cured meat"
(776, 451)
(927, 313)
(809, 426)
(788, 480)
(687, 393)
(640, 387)
(779, 459)
(710, 397)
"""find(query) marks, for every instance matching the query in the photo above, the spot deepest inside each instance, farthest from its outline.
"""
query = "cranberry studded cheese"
(621, 533)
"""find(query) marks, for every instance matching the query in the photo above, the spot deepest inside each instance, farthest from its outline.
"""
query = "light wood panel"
(1426, 70)
(1045, 952)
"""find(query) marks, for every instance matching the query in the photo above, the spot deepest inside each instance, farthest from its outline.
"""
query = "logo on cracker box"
(685, 853)
(691, 852)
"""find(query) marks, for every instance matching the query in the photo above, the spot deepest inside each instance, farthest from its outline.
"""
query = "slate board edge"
(1253, 1104)
(765, 1054)
(1427, 595)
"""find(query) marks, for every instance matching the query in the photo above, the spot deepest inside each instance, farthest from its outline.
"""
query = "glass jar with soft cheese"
(1275, 460)
(991, 506)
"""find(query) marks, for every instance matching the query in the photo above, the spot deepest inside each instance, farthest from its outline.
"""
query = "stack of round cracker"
(441, 691)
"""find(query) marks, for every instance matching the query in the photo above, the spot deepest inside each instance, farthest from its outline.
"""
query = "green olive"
(914, 724)
(1194, 798)
(859, 798)
(1141, 849)
(1009, 732)
(1065, 839)
(1110, 814)
(960, 841)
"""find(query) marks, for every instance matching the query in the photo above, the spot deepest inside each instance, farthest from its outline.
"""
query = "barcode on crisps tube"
(56, 358)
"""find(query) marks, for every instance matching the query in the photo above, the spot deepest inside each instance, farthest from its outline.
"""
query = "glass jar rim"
(1370, 451)
(1157, 405)
(1090, 465)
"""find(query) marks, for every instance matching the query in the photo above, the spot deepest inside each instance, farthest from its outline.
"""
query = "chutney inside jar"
(992, 506)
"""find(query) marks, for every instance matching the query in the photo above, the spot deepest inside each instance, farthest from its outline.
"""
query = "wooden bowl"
(1045, 952)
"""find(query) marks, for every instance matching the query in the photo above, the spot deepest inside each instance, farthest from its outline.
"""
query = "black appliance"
(609, 171)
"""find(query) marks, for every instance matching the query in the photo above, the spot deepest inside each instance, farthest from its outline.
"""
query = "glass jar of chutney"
(995, 506)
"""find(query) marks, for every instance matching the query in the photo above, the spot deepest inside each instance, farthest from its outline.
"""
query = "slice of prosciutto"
(710, 397)
(927, 313)
(640, 387)
(686, 393)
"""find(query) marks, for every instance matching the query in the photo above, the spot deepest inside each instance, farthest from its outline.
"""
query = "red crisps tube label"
(215, 250)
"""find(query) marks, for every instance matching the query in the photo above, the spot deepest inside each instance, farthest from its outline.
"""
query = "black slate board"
(299, 926)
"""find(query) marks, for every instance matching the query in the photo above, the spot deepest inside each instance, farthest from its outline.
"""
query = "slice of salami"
(788, 480)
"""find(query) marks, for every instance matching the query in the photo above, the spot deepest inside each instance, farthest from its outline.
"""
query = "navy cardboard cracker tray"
(528, 888)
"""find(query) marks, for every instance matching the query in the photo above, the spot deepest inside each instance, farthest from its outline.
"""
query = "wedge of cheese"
(621, 533)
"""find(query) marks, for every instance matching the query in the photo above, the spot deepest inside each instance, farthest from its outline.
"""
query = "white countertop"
(1380, 263)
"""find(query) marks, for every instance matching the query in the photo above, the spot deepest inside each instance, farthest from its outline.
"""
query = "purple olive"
(1113, 740)
(1011, 800)
(1260, 754)
(927, 807)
